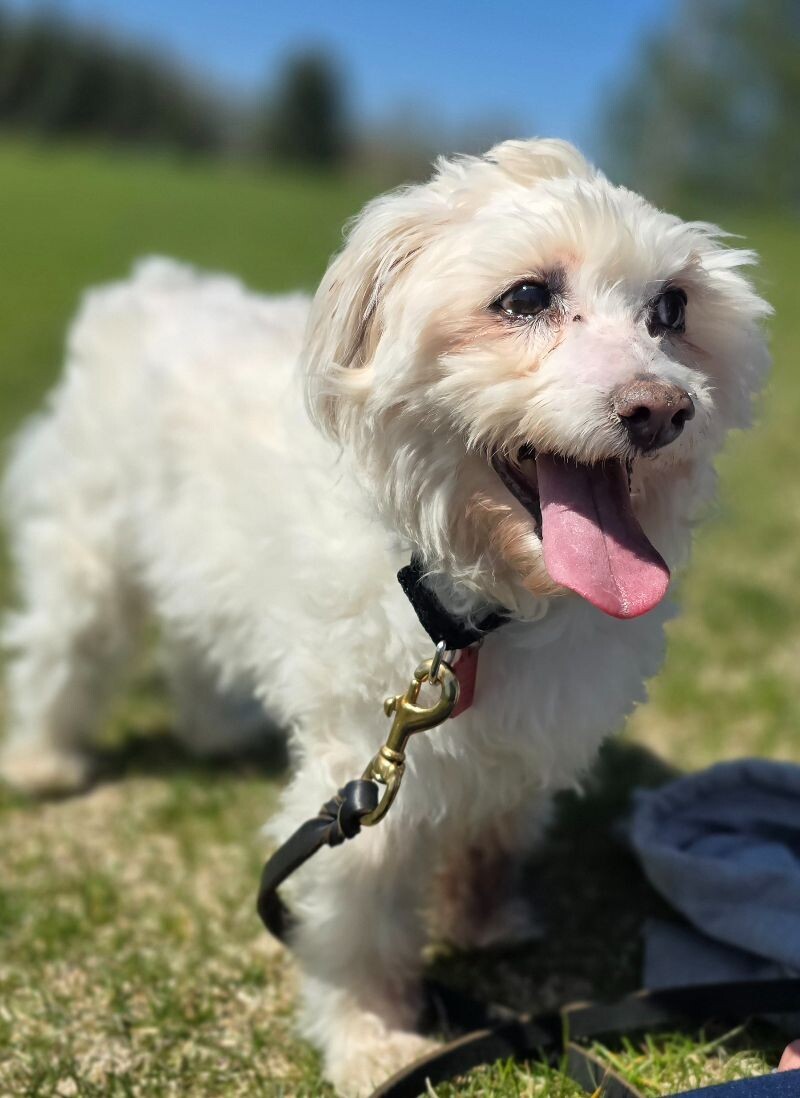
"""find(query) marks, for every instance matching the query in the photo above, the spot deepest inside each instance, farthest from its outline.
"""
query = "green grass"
(131, 962)
(78, 217)
(730, 686)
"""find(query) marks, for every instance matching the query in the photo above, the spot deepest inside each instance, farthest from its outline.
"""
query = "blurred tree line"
(57, 79)
(711, 111)
(61, 79)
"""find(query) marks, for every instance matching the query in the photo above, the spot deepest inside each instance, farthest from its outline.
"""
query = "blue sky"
(545, 67)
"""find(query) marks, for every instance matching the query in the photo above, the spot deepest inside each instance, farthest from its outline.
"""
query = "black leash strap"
(553, 1038)
(438, 622)
(337, 820)
(512, 1036)
(490, 1033)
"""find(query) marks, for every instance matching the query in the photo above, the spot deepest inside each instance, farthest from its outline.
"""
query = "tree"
(60, 79)
(304, 121)
(712, 108)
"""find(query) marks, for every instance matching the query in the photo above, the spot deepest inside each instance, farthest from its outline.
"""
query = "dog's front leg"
(358, 940)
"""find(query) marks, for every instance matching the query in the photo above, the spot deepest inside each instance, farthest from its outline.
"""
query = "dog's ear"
(346, 323)
(346, 320)
(529, 162)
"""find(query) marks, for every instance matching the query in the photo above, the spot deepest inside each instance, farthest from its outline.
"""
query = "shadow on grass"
(590, 896)
(160, 753)
(592, 900)
(588, 890)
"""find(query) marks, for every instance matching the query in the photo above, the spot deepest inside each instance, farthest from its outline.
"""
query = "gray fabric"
(723, 847)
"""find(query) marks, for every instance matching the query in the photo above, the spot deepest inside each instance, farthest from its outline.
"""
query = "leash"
(487, 1033)
(556, 1038)
(357, 804)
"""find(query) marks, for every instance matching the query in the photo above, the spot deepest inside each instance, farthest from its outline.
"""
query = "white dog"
(516, 371)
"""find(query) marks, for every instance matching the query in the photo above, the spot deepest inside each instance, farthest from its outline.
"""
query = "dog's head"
(532, 369)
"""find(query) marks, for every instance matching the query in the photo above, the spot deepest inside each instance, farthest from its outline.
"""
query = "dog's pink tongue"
(593, 543)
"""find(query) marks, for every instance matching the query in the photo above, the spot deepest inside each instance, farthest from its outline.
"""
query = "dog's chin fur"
(177, 469)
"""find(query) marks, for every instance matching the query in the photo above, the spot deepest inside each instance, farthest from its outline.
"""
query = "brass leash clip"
(388, 766)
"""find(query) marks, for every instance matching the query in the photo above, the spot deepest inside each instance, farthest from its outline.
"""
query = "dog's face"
(533, 369)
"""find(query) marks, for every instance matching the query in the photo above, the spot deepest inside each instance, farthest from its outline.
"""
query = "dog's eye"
(525, 299)
(668, 312)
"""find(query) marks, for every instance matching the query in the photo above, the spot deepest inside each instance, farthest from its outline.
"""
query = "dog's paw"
(370, 1059)
(40, 771)
(366, 1063)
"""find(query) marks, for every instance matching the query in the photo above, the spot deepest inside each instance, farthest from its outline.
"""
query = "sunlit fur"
(176, 471)
(437, 393)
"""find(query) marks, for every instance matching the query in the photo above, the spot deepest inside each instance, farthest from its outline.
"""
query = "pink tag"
(466, 669)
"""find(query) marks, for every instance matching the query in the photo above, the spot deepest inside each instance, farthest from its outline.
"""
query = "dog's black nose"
(652, 411)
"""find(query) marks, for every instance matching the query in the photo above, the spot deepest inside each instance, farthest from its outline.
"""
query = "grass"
(131, 962)
(730, 686)
(76, 217)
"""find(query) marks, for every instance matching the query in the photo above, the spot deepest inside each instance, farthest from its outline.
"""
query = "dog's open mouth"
(591, 539)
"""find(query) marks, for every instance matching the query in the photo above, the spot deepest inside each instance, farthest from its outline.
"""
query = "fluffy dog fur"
(257, 490)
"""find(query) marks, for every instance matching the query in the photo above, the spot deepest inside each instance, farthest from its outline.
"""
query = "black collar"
(438, 622)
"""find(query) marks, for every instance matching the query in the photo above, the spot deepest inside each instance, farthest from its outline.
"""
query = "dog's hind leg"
(72, 626)
(213, 718)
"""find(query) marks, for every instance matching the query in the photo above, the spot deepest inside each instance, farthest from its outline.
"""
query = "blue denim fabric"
(783, 1084)
(723, 846)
